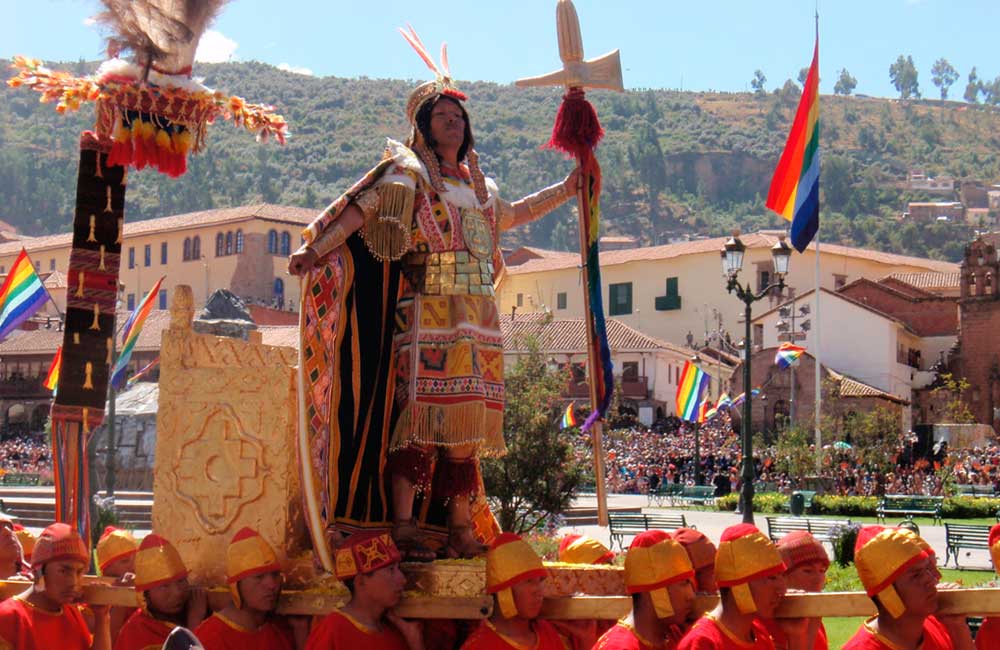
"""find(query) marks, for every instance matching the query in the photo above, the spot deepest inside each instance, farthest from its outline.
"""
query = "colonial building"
(673, 291)
(242, 249)
(843, 396)
(647, 369)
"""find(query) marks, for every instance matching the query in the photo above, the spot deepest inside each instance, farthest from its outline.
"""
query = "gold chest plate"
(477, 233)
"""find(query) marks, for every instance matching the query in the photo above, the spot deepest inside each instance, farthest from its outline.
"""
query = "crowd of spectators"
(25, 453)
(640, 459)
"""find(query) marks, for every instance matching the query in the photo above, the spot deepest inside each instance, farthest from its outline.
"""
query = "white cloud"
(215, 47)
(296, 69)
(90, 21)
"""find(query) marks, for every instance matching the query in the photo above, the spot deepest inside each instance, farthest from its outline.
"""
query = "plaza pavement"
(712, 523)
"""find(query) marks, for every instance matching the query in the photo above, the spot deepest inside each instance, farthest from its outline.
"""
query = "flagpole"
(819, 321)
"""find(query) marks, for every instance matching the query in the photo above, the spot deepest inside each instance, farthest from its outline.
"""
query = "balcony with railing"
(633, 387)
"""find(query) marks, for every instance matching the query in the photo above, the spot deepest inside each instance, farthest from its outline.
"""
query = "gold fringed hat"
(510, 561)
(248, 555)
(745, 554)
(363, 553)
(157, 563)
(442, 86)
(114, 544)
(652, 562)
(580, 549)
(59, 542)
(881, 554)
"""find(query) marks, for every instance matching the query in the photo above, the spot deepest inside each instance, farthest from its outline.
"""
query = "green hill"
(674, 162)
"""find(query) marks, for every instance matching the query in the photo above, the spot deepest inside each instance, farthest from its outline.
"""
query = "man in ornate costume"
(12, 555)
(401, 351)
(47, 616)
(168, 601)
(989, 632)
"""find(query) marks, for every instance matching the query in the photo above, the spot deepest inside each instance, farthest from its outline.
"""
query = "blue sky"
(694, 44)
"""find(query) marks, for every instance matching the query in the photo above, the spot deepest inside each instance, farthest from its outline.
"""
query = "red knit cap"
(699, 548)
(799, 547)
(59, 542)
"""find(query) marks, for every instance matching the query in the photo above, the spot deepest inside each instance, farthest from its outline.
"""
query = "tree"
(539, 475)
(990, 91)
(803, 75)
(757, 83)
(943, 75)
(845, 83)
(838, 176)
(955, 409)
(646, 158)
(903, 74)
(972, 88)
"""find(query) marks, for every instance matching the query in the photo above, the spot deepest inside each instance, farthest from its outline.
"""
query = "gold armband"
(329, 239)
(388, 211)
(541, 203)
(506, 215)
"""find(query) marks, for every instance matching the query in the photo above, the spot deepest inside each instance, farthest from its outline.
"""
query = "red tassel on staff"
(577, 129)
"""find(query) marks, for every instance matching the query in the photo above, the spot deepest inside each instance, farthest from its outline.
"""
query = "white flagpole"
(816, 353)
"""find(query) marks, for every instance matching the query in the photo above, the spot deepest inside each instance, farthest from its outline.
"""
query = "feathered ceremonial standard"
(149, 113)
(577, 132)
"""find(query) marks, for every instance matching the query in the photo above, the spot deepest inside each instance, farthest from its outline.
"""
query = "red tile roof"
(714, 245)
(930, 281)
(569, 335)
(45, 341)
(219, 216)
(851, 387)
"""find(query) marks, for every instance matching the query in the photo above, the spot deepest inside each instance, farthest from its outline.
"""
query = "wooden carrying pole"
(968, 602)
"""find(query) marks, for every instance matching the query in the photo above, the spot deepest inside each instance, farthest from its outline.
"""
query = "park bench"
(664, 494)
(19, 478)
(807, 496)
(701, 495)
(975, 490)
(909, 506)
(633, 523)
(959, 536)
(778, 527)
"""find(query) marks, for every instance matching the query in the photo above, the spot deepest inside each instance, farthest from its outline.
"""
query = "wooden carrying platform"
(456, 590)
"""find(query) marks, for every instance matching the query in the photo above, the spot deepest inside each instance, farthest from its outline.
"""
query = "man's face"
(120, 567)
(64, 581)
(767, 594)
(384, 586)
(681, 600)
(170, 599)
(917, 587)
(447, 123)
(10, 548)
(808, 576)
(261, 592)
(529, 596)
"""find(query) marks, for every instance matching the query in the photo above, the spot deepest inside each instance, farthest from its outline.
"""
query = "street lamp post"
(732, 262)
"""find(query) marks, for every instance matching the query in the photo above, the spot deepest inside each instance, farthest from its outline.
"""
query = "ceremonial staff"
(577, 132)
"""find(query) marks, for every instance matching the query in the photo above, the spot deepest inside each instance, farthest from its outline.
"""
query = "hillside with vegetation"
(674, 162)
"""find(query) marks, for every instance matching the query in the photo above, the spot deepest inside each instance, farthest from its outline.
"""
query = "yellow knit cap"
(509, 561)
(881, 554)
(745, 554)
(114, 544)
(653, 561)
(157, 563)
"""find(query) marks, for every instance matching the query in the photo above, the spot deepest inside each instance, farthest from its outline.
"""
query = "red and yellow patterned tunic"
(447, 344)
